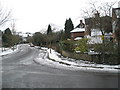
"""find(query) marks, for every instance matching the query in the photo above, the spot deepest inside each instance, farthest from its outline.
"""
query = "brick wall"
(77, 34)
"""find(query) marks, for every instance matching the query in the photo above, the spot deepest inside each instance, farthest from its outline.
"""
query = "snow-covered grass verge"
(56, 60)
(8, 51)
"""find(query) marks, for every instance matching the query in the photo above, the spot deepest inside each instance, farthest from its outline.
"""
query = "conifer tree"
(49, 36)
(68, 27)
(8, 31)
(7, 38)
(49, 30)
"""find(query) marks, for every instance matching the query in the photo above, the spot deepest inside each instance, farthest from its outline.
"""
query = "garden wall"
(111, 59)
(77, 56)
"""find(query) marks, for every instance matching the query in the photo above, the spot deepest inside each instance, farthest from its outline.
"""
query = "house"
(104, 22)
(116, 21)
(82, 30)
(77, 33)
(81, 25)
(95, 37)
(98, 26)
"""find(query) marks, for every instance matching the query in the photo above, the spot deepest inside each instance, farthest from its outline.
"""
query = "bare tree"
(107, 8)
(103, 8)
(4, 15)
(96, 11)
(90, 11)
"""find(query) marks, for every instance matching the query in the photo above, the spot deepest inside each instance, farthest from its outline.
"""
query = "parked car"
(31, 45)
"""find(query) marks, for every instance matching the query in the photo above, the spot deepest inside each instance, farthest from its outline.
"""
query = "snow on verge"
(8, 51)
(56, 60)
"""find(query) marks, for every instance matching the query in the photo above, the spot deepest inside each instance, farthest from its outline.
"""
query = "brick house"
(77, 33)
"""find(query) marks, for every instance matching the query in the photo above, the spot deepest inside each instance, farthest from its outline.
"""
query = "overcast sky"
(33, 15)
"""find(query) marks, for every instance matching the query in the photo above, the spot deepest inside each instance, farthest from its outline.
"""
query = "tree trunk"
(103, 51)
(119, 51)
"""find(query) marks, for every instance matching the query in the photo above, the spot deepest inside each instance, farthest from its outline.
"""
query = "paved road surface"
(20, 71)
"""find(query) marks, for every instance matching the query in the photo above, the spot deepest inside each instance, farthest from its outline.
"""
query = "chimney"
(97, 14)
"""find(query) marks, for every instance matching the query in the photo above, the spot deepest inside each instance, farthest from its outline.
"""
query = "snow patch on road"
(54, 59)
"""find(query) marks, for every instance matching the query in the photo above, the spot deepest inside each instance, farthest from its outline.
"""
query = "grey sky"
(33, 15)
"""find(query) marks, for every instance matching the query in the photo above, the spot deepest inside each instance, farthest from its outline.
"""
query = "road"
(20, 71)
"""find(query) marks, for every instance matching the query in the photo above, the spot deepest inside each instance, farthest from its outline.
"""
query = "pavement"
(20, 71)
